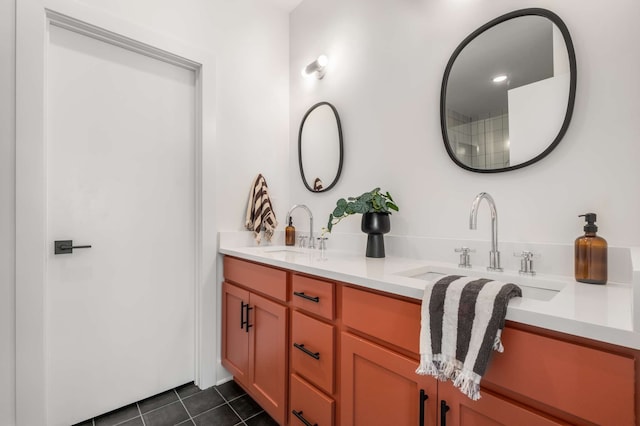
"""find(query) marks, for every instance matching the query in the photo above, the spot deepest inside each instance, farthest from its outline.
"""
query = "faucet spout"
(494, 254)
(304, 207)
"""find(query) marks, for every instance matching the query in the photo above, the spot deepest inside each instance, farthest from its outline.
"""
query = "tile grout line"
(255, 415)
(140, 411)
(184, 406)
(230, 406)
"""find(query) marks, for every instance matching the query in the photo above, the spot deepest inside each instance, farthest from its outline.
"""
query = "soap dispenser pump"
(591, 254)
(290, 234)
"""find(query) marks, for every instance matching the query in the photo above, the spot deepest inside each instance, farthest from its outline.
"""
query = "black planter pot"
(375, 225)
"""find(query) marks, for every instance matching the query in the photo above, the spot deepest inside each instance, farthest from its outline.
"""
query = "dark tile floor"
(187, 405)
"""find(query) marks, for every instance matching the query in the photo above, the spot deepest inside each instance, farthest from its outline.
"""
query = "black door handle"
(423, 398)
(443, 412)
(247, 326)
(242, 320)
(65, 247)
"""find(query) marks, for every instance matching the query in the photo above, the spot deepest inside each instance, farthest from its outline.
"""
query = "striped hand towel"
(260, 214)
(462, 320)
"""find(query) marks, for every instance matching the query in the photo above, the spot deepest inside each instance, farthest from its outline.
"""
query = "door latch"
(65, 247)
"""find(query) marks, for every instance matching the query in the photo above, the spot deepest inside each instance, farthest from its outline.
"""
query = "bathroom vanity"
(332, 339)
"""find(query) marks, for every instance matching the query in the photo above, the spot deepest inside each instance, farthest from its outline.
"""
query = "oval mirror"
(320, 147)
(508, 92)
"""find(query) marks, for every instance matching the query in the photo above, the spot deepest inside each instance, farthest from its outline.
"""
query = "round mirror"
(320, 147)
(508, 92)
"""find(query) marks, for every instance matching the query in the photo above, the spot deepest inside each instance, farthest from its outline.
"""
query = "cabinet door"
(268, 360)
(380, 387)
(489, 410)
(235, 338)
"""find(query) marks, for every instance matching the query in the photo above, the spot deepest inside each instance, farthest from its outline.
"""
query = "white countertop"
(599, 312)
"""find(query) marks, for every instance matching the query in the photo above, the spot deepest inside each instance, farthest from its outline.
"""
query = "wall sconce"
(317, 67)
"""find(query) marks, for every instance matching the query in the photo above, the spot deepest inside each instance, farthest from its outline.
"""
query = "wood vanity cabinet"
(255, 332)
(347, 356)
(543, 378)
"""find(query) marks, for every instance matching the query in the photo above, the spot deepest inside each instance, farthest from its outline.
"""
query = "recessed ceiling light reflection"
(499, 78)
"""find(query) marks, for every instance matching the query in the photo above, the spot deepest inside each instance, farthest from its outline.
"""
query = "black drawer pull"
(306, 422)
(315, 355)
(315, 299)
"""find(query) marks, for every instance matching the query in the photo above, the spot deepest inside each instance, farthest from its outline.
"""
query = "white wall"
(7, 214)
(249, 39)
(387, 61)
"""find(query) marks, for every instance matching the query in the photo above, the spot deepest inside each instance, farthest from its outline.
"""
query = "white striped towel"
(462, 320)
(260, 214)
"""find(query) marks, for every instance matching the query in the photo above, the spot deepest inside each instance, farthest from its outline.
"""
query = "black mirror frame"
(572, 85)
(339, 172)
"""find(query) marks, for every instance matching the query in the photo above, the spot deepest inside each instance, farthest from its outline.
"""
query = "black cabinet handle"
(65, 247)
(423, 398)
(306, 422)
(315, 299)
(242, 314)
(315, 355)
(443, 412)
(246, 323)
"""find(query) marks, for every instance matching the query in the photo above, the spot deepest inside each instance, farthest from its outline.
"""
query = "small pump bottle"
(591, 254)
(290, 234)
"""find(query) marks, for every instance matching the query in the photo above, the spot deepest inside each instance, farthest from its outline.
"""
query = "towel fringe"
(427, 367)
(467, 385)
(497, 342)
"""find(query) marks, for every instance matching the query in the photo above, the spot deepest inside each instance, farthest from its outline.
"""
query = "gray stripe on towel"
(466, 315)
(496, 322)
(436, 310)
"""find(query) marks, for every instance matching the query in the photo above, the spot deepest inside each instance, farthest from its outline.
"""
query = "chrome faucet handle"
(302, 241)
(526, 262)
(322, 243)
(465, 259)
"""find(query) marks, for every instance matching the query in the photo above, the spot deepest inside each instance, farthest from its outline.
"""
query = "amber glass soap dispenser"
(290, 234)
(591, 254)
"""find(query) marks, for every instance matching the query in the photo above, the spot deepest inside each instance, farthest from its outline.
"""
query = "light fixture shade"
(317, 67)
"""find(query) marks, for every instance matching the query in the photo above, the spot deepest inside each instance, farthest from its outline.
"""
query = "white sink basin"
(532, 287)
(285, 249)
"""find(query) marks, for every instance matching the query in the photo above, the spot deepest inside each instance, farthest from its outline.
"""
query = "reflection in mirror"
(320, 147)
(508, 92)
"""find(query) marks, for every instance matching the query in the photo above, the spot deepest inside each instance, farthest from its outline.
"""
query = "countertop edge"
(412, 289)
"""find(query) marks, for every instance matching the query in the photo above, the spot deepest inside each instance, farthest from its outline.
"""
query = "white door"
(120, 177)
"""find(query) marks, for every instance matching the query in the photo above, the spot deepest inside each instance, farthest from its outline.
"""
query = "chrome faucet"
(295, 206)
(494, 254)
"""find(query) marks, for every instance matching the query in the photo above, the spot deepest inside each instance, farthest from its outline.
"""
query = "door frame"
(33, 20)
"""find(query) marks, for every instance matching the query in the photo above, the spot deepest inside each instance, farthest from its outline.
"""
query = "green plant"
(369, 202)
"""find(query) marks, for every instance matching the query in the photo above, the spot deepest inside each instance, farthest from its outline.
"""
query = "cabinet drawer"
(594, 385)
(310, 404)
(392, 320)
(313, 295)
(312, 350)
(262, 279)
